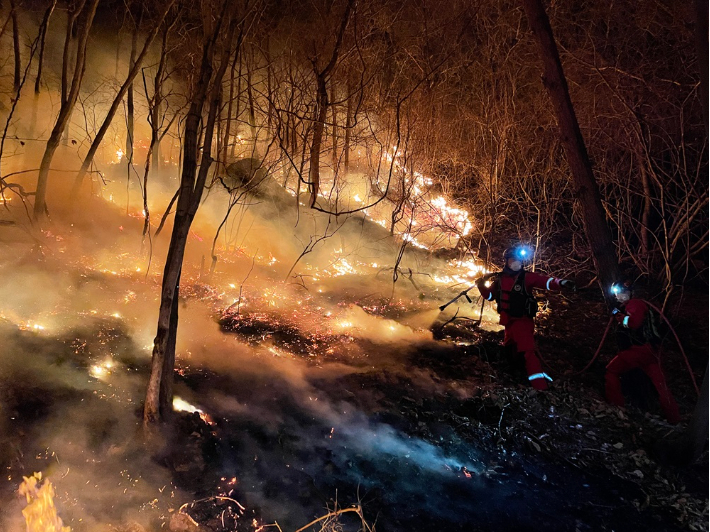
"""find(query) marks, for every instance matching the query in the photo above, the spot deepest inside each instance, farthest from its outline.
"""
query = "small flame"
(181, 405)
(40, 513)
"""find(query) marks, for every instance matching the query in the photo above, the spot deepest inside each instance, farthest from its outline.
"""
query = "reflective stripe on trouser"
(540, 376)
(536, 377)
(520, 332)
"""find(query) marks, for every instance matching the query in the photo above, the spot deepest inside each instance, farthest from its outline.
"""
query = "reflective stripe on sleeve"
(539, 376)
(547, 287)
(490, 296)
(625, 323)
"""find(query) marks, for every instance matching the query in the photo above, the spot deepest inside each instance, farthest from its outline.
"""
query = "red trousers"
(643, 357)
(519, 332)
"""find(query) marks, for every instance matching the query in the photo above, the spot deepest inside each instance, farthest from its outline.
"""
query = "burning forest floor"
(298, 401)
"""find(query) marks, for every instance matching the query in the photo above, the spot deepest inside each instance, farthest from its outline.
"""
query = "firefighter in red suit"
(512, 291)
(637, 350)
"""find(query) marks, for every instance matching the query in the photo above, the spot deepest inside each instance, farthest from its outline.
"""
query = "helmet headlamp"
(523, 253)
(618, 288)
(520, 252)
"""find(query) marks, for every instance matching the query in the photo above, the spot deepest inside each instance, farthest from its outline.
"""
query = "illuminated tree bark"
(587, 191)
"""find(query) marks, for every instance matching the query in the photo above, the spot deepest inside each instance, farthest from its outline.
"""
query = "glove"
(569, 285)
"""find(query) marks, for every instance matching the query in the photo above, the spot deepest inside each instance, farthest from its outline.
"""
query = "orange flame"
(40, 513)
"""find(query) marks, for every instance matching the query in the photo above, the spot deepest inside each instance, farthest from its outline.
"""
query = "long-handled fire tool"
(465, 292)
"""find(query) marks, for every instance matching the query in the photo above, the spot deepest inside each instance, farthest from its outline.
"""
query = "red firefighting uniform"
(519, 331)
(637, 352)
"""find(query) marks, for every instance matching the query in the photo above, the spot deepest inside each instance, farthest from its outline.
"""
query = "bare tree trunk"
(587, 191)
(126, 87)
(157, 104)
(237, 109)
(322, 107)
(65, 110)
(16, 48)
(646, 212)
(250, 97)
(334, 129)
(73, 11)
(269, 88)
(42, 39)
(192, 185)
(129, 99)
(230, 103)
(318, 126)
(348, 125)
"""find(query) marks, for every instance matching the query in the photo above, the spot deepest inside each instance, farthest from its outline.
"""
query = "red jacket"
(631, 321)
(504, 283)
(633, 314)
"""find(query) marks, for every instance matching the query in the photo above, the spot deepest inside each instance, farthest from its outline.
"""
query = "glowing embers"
(102, 370)
(40, 513)
(30, 326)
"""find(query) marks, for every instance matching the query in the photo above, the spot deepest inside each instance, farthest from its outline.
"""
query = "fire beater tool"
(465, 292)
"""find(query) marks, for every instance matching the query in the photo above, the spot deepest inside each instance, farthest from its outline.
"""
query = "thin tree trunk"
(587, 191)
(348, 125)
(237, 110)
(334, 129)
(129, 99)
(646, 212)
(269, 89)
(192, 185)
(250, 97)
(318, 126)
(16, 48)
(322, 107)
(230, 103)
(73, 12)
(42, 40)
(65, 110)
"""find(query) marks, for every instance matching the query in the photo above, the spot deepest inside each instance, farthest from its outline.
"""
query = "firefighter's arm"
(544, 282)
(633, 315)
